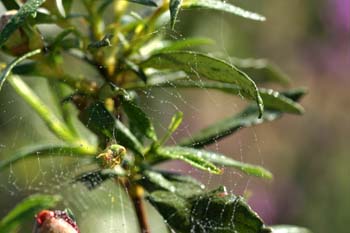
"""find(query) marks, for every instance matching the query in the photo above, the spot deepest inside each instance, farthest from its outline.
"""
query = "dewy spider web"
(107, 209)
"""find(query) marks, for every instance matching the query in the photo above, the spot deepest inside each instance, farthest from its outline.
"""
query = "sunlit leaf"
(181, 44)
(201, 65)
(42, 149)
(159, 180)
(219, 159)
(182, 185)
(213, 212)
(7, 71)
(191, 156)
(28, 9)
(174, 7)
(288, 229)
(222, 6)
(26, 210)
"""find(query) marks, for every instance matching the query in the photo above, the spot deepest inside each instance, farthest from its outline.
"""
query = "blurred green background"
(309, 155)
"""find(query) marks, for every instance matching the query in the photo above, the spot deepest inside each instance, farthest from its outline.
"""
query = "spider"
(112, 155)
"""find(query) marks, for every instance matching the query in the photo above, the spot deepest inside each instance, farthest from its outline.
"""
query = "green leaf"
(228, 126)
(138, 118)
(28, 9)
(222, 6)
(174, 7)
(235, 214)
(184, 186)
(219, 159)
(174, 124)
(97, 118)
(213, 212)
(175, 210)
(26, 210)
(145, 2)
(198, 64)
(167, 46)
(158, 179)
(67, 5)
(273, 100)
(288, 229)
(261, 70)
(7, 71)
(191, 156)
(10, 4)
(42, 150)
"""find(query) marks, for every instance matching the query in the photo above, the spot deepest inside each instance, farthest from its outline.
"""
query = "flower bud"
(57, 221)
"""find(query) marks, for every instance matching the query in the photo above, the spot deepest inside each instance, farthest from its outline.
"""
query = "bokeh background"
(309, 154)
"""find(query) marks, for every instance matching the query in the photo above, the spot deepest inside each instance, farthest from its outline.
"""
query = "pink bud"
(57, 221)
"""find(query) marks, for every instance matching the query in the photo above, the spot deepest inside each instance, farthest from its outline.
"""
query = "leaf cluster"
(129, 56)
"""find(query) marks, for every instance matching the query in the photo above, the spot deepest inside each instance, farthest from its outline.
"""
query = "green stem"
(52, 121)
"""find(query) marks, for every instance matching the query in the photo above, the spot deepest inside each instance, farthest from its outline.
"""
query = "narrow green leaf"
(273, 100)
(43, 149)
(54, 123)
(201, 65)
(222, 6)
(184, 186)
(145, 2)
(228, 126)
(97, 118)
(158, 179)
(248, 169)
(261, 70)
(10, 4)
(28, 9)
(174, 124)
(67, 5)
(288, 229)
(295, 94)
(219, 159)
(167, 46)
(26, 210)
(138, 118)
(191, 156)
(174, 7)
(7, 71)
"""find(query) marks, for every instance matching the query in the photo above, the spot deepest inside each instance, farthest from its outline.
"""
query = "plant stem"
(135, 193)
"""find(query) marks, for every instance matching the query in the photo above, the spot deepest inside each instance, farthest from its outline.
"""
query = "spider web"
(107, 208)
